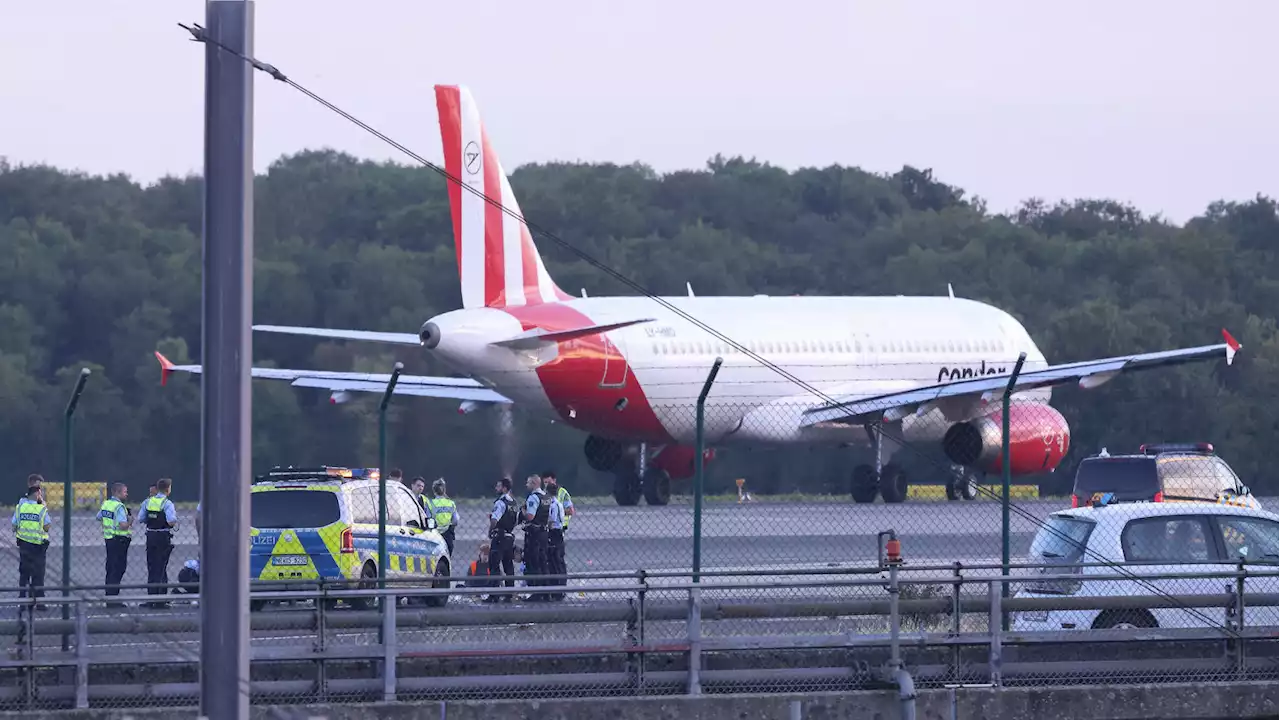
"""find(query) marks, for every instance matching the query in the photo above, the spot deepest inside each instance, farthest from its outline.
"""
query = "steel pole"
(68, 446)
(699, 471)
(382, 473)
(226, 348)
(1004, 468)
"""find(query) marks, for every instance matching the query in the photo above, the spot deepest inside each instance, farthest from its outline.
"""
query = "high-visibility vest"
(563, 496)
(108, 517)
(442, 509)
(32, 517)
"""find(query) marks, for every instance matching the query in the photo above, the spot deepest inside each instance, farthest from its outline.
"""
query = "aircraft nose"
(429, 335)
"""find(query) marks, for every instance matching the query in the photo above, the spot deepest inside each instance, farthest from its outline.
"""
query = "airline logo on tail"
(497, 261)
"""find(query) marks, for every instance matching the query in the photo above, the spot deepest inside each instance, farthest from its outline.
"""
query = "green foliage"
(99, 272)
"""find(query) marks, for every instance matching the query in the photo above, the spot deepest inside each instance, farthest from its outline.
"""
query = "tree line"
(99, 272)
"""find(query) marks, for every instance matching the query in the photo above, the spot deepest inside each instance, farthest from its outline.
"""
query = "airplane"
(877, 371)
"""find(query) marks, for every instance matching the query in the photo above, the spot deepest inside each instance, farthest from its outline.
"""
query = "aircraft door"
(615, 365)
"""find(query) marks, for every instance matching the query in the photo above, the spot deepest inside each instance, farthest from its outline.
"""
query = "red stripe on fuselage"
(449, 105)
(495, 288)
(572, 380)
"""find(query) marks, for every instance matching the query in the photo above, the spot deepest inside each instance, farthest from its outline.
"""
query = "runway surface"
(606, 537)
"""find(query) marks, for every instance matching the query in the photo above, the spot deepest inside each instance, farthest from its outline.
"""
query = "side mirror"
(1243, 552)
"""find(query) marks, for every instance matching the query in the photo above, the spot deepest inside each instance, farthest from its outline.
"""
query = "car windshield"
(1130, 478)
(1061, 540)
(287, 509)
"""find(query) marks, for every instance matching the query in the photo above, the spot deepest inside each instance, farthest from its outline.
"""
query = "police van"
(1170, 472)
(312, 524)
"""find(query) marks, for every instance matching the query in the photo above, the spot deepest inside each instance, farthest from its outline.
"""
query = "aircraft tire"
(893, 484)
(953, 491)
(626, 487)
(864, 484)
(968, 486)
(657, 486)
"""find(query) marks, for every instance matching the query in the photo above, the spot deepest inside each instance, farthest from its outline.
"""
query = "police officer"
(34, 480)
(502, 539)
(160, 520)
(444, 510)
(537, 518)
(116, 523)
(31, 527)
(556, 532)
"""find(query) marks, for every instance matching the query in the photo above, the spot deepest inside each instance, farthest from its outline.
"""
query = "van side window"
(1171, 539)
(364, 506)
(401, 507)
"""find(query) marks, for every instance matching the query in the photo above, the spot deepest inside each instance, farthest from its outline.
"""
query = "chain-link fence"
(656, 635)
(933, 475)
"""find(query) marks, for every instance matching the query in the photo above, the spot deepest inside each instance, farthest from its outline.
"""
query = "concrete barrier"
(1117, 702)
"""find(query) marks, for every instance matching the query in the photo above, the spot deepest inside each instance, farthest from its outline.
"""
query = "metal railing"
(649, 633)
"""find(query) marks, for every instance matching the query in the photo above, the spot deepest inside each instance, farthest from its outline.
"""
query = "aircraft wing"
(394, 338)
(1089, 374)
(422, 385)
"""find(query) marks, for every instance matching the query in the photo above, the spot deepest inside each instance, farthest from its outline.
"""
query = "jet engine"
(1039, 438)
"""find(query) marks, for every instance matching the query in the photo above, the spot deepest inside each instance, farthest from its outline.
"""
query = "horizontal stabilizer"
(363, 335)
(538, 336)
(419, 385)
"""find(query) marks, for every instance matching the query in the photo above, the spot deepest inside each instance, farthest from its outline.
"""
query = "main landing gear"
(887, 478)
(890, 481)
(962, 483)
(633, 476)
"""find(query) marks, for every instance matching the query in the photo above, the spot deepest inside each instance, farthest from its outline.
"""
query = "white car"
(1183, 537)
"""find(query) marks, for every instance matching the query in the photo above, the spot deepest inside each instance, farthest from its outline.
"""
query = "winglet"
(688, 285)
(1233, 345)
(166, 367)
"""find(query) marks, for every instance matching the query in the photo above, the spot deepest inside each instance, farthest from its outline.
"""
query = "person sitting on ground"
(190, 573)
(479, 569)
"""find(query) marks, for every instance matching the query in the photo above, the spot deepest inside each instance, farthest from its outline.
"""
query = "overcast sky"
(1168, 104)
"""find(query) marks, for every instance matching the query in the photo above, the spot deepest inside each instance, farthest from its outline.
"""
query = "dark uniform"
(159, 541)
(502, 543)
(555, 543)
(117, 542)
(538, 504)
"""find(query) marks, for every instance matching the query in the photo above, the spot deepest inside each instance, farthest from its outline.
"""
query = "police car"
(1125, 540)
(309, 524)
(1170, 472)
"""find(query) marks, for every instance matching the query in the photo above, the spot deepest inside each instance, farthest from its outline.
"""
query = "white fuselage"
(818, 346)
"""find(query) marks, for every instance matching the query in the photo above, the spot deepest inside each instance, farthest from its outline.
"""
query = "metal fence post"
(382, 475)
(68, 438)
(993, 627)
(694, 629)
(1004, 468)
(389, 648)
(699, 471)
(82, 656)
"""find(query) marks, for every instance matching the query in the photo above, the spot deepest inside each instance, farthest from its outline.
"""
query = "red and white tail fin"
(497, 261)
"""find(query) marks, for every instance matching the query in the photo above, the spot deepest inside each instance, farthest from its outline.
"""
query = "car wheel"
(442, 582)
(1124, 619)
(368, 581)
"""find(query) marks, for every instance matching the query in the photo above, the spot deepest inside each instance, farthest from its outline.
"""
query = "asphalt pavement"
(605, 537)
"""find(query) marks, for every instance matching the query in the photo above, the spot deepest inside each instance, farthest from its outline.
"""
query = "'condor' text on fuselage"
(946, 374)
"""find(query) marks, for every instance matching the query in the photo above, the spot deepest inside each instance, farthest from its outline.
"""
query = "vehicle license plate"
(289, 560)
(1036, 616)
